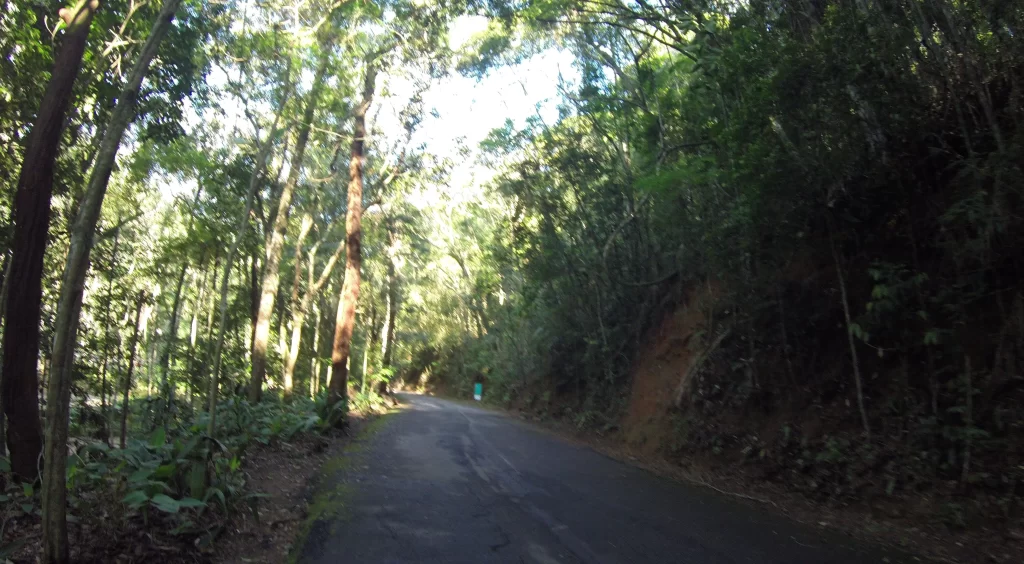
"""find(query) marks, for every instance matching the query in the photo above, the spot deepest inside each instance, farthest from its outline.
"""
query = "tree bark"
(243, 222)
(272, 267)
(345, 320)
(31, 225)
(55, 535)
(131, 369)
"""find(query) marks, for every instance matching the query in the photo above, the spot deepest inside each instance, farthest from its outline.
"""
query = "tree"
(272, 266)
(345, 321)
(132, 346)
(32, 223)
(55, 548)
(300, 306)
(262, 154)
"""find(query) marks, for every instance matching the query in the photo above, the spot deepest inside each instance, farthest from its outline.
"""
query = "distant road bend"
(441, 482)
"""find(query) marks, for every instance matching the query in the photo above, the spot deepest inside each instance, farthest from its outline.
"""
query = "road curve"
(442, 482)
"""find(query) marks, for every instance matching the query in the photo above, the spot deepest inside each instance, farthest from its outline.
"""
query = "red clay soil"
(667, 357)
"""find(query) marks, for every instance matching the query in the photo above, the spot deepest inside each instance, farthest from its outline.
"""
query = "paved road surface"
(442, 482)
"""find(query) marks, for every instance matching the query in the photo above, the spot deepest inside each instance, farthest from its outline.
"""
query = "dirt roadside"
(287, 474)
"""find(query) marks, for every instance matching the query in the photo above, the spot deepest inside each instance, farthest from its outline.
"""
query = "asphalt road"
(442, 482)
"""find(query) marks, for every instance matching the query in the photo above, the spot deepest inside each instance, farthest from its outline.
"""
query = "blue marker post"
(478, 391)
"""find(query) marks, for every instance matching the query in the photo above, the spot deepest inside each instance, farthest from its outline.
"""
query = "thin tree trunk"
(271, 269)
(314, 372)
(55, 535)
(171, 336)
(31, 225)
(243, 223)
(371, 343)
(197, 308)
(204, 372)
(849, 335)
(291, 351)
(168, 345)
(387, 348)
(344, 323)
(254, 299)
(299, 310)
(131, 369)
(965, 470)
(106, 338)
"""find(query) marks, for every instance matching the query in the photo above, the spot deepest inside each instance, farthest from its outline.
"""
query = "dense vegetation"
(189, 264)
(835, 186)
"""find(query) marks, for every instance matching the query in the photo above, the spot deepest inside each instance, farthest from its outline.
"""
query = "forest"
(783, 236)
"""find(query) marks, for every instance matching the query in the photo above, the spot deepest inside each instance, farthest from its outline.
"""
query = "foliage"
(771, 164)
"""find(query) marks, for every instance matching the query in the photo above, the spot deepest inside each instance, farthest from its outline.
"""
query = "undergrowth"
(173, 483)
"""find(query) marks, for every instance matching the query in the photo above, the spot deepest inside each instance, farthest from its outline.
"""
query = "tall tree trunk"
(272, 267)
(31, 225)
(243, 222)
(131, 369)
(345, 321)
(55, 534)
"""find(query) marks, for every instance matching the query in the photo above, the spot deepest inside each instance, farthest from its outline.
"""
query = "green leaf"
(26, 488)
(165, 503)
(197, 478)
(135, 498)
(216, 492)
(165, 471)
(158, 438)
(5, 465)
(141, 475)
(186, 449)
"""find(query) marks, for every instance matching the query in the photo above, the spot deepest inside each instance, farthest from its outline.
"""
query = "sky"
(461, 111)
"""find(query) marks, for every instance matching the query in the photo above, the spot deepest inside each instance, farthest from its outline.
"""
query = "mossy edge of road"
(329, 503)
